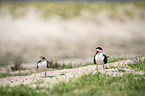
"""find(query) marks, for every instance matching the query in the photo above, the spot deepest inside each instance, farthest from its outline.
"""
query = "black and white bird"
(100, 58)
(43, 65)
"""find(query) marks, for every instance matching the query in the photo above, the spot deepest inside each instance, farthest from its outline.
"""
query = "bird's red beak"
(96, 52)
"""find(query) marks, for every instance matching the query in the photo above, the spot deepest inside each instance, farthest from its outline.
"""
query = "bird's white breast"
(99, 58)
(43, 66)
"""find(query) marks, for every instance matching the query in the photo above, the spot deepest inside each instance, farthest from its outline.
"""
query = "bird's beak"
(96, 52)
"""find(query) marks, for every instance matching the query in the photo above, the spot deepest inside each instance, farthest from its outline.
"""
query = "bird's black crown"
(99, 48)
(42, 57)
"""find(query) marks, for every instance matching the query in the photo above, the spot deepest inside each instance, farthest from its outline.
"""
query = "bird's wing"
(38, 63)
(48, 64)
(94, 60)
(105, 58)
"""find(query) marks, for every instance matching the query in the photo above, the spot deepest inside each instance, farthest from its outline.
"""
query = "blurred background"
(61, 29)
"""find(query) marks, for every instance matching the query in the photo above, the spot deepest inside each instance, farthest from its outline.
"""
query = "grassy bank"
(101, 84)
(6, 75)
(127, 84)
(87, 85)
(138, 64)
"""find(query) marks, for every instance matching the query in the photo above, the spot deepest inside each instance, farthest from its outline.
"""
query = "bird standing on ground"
(100, 58)
(43, 65)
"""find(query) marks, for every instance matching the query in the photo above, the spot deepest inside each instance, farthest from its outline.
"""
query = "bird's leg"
(103, 65)
(96, 67)
(45, 74)
(40, 75)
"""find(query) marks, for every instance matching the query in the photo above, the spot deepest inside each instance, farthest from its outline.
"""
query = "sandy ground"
(56, 76)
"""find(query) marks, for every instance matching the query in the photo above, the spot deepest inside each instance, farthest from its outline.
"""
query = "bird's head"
(98, 50)
(42, 58)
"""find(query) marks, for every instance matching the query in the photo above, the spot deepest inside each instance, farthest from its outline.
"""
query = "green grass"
(72, 9)
(116, 59)
(6, 75)
(22, 90)
(138, 64)
(99, 84)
